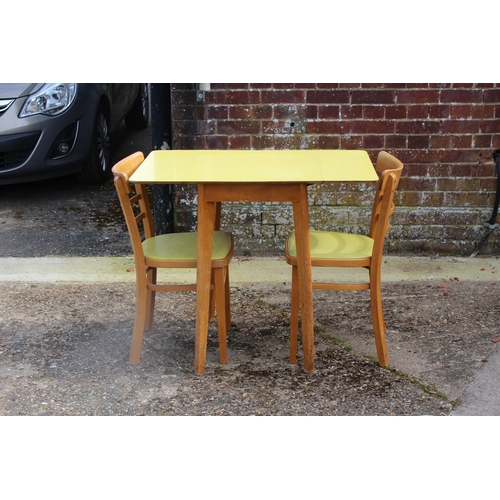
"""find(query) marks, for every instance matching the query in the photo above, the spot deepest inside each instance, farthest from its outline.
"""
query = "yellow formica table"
(253, 175)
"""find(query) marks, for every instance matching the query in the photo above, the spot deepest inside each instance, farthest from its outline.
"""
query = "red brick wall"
(445, 135)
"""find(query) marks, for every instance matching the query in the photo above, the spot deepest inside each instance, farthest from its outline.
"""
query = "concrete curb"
(243, 269)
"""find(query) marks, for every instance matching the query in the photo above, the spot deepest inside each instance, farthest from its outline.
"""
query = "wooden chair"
(175, 250)
(334, 249)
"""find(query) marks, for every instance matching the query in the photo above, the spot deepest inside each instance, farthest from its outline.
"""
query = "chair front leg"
(211, 310)
(294, 315)
(220, 299)
(141, 305)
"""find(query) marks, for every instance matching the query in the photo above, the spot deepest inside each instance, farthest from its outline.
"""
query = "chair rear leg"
(228, 298)
(151, 298)
(378, 319)
(294, 315)
(220, 300)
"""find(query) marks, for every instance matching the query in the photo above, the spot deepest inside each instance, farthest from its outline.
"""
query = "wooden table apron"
(253, 175)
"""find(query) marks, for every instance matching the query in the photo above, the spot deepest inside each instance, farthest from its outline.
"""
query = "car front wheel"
(97, 170)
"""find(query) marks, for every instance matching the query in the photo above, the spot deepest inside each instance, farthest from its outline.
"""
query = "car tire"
(97, 170)
(138, 117)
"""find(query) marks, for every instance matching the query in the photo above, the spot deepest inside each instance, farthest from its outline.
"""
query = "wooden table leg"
(206, 217)
(301, 223)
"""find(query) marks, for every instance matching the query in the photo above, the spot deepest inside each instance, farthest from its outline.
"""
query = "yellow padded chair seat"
(183, 246)
(331, 245)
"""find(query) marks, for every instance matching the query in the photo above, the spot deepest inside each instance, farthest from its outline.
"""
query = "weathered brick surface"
(444, 133)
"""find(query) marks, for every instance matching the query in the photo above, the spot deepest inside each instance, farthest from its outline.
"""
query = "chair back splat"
(175, 250)
(335, 249)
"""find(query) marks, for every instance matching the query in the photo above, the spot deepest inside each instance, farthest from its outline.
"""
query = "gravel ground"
(64, 351)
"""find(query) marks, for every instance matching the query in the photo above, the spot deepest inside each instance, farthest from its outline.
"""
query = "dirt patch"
(64, 351)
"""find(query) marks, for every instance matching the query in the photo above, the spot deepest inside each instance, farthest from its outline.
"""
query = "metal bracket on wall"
(200, 91)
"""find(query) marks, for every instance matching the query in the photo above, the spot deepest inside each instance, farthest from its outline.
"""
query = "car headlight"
(52, 99)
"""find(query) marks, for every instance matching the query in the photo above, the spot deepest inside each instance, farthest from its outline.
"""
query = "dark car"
(55, 129)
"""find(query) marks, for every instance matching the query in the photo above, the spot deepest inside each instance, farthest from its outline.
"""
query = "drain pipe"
(491, 224)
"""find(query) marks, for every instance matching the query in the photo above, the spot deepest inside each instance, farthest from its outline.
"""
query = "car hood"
(15, 90)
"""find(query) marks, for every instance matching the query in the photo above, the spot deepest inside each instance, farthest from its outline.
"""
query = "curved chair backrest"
(390, 169)
(134, 201)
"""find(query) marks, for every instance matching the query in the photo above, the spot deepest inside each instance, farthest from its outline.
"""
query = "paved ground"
(66, 322)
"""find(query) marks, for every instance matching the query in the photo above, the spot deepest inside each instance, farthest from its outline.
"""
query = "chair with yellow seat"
(174, 250)
(335, 249)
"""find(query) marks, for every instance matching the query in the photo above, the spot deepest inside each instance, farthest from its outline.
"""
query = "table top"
(208, 165)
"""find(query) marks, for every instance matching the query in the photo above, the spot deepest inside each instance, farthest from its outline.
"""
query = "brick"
(183, 112)
(416, 156)
(282, 112)
(327, 127)
(383, 85)
(262, 112)
(417, 96)
(325, 112)
(217, 112)
(483, 111)
(327, 97)
(176, 87)
(439, 111)
(373, 127)
(490, 126)
(417, 170)
(373, 112)
(460, 111)
(461, 141)
(457, 156)
(330, 85)
(230, 127)
(418, 141)
(217, 142)
(184, 97)
(439, 141)
(287, 142)
(457, 184)
(262, 142)
(283, 85)
(395, 141)
(309, 142)
(240, 112)
(418, 112)
(373, 97)
(283, 96)
(351, 142)
(240, 142)
(460, 95)
(234, 86)
(351, 112)
(328, 142)
(418, 127)
(461, 127)
(416, 184)
(492, 95)
(397, 112)
(373, 142)
(242, 97)
(482, 141)
(466, 199)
